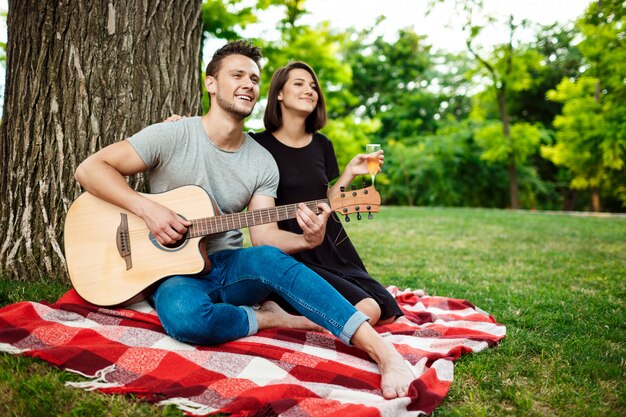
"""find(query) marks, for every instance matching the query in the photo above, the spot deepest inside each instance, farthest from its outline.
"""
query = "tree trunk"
(82, 74)
(595, 191)
(513, 188)
(595, 200)
(506, 131)
(569, 199)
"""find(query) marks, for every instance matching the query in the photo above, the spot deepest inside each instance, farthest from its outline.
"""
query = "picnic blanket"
(275, 372)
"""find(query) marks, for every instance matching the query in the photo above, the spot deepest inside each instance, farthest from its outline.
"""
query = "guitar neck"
(222, 223)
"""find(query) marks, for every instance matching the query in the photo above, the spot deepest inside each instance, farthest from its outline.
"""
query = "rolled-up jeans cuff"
(253, 324)
(351, 327)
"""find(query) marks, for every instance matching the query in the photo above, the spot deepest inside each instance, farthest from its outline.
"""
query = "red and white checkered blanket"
(275, 372)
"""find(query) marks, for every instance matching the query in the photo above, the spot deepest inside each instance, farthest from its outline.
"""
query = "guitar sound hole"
(176, 244)
(171, 246)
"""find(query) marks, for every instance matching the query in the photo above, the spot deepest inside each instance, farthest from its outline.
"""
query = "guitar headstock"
(364, 200)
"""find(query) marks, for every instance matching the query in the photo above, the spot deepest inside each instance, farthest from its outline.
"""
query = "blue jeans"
(215, 308)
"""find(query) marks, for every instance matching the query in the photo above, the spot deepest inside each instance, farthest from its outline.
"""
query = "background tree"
(560, 58)
(391, 80)
(591, 132)
(81, 75)
(386, 70)
(505, 72)
(224, 19)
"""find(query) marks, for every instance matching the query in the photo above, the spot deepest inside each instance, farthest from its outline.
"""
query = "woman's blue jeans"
(215, 308)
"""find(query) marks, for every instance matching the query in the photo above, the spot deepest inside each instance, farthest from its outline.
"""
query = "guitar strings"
(209, 225)
(336, 220)
(233, 221)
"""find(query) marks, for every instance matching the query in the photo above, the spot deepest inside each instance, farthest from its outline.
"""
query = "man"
(213, 152)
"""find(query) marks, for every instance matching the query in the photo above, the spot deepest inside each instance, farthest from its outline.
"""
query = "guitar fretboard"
(217, 224)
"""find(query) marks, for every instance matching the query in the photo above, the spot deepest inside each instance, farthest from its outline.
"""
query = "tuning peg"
(347, 218)
(358, 216)
(369, 216)
(342, 188)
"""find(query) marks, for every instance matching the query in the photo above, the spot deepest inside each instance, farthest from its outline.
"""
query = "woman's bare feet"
(395, 374)
(272, 315)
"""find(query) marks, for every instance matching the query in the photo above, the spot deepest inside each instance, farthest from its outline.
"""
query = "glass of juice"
(372, 160)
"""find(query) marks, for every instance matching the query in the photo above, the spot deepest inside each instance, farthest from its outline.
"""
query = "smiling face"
(294, 88)
(235, 87)
(299, 94)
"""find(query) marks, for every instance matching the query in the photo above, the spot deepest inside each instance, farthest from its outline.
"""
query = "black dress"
(304, 176)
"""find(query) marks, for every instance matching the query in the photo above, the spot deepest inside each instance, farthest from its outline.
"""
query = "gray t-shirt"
(180, 153)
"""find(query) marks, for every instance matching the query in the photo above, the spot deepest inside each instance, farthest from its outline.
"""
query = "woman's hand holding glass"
(374, 159)
(361, 164)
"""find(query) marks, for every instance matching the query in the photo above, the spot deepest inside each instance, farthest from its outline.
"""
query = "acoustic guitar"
(113, 259)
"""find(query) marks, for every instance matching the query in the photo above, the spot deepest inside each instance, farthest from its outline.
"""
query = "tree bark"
(82, 74)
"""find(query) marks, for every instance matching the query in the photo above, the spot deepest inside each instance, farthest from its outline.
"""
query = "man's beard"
(231, 108)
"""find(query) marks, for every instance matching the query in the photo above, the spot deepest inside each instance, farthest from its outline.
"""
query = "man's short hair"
(239, 47)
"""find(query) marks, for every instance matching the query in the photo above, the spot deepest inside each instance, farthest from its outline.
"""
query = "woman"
(306, 160)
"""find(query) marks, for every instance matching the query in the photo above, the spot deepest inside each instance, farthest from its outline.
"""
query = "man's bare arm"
(103, 175)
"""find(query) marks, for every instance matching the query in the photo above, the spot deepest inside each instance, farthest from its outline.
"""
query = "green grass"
(558, 282)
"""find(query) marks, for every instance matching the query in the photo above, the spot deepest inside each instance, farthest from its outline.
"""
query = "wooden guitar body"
(97, 270)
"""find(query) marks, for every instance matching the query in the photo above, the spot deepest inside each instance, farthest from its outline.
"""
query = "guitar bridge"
(123, 241)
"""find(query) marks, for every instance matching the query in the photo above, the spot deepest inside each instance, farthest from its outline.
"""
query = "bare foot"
(272, 315)
(395, 374)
